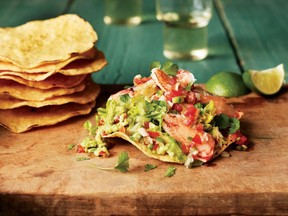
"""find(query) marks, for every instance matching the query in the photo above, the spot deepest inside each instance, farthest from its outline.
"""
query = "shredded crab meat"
(167, 83)
(184, 77)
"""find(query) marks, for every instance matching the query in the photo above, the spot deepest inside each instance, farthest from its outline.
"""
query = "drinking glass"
(125, 12)
(185, 34)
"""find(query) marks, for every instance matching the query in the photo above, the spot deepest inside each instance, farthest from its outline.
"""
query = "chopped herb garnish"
(198, 105)
(89, 126)
(82, 158)
(122, 164)
(223, 122)
(155, 64)
(149, 167)
(168, 67)
(170, 171)
(125, 98)
(71, 146)
(234, 125)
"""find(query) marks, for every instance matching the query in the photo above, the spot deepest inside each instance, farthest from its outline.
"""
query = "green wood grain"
(260, 30)
(17, 12)
(130, 50)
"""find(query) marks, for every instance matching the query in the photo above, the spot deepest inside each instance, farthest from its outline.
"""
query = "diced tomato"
(185, 148)
(116, 120)
(80, 149)
(238, 138)
(197, 139)
(102, 153)
(146, 125)
(177, 107)
(153, 134)
(190, 114)
(174, 93)
(155, 146)
(191, 110)
(199, 127)
(242, 141)
(205, 149)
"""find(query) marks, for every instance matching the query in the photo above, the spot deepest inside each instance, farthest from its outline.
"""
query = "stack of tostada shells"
(45, 72)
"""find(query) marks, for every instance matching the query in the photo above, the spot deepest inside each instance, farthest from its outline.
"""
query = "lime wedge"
(267, 82)
(246, 76)
(226, 84)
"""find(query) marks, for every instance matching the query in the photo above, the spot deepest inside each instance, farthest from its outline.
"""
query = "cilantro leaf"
(170, 171)
(122, 165)
(87, 125)
(82, 158)
(170, 68)
(234, 125)
(149, 167)
(222, 121)
(71, 146)
(155, 64)
(123, 162)
(125, 98)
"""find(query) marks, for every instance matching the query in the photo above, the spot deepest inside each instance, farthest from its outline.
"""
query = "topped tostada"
(168, 118)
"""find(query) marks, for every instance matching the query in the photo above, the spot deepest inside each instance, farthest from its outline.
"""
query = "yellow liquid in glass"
(185, 37)
(126, 12)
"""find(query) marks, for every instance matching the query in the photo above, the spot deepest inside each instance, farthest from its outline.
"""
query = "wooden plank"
(17, 12)
(130, 50)
(260, 31)
(40, 176)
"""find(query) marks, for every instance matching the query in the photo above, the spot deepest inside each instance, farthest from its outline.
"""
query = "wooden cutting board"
(40, 176)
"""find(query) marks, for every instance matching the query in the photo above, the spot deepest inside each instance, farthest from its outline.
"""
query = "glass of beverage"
(185, 33)
(125, 12)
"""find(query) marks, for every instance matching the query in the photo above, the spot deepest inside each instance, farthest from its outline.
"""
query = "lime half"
(267, 82)
(226, 84)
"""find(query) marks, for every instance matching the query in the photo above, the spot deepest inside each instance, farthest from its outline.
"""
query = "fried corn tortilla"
(48, 67)
(14, 75)
(10, 90)
(45, 68)
(144, 149)
(46, 41)
(54, 81)
(85, 66)
(168, 117)
(78, 67)
(25, 118)
(166, 158)
(89, 94)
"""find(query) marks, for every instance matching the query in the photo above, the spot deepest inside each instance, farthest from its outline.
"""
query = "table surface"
(242, 35)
